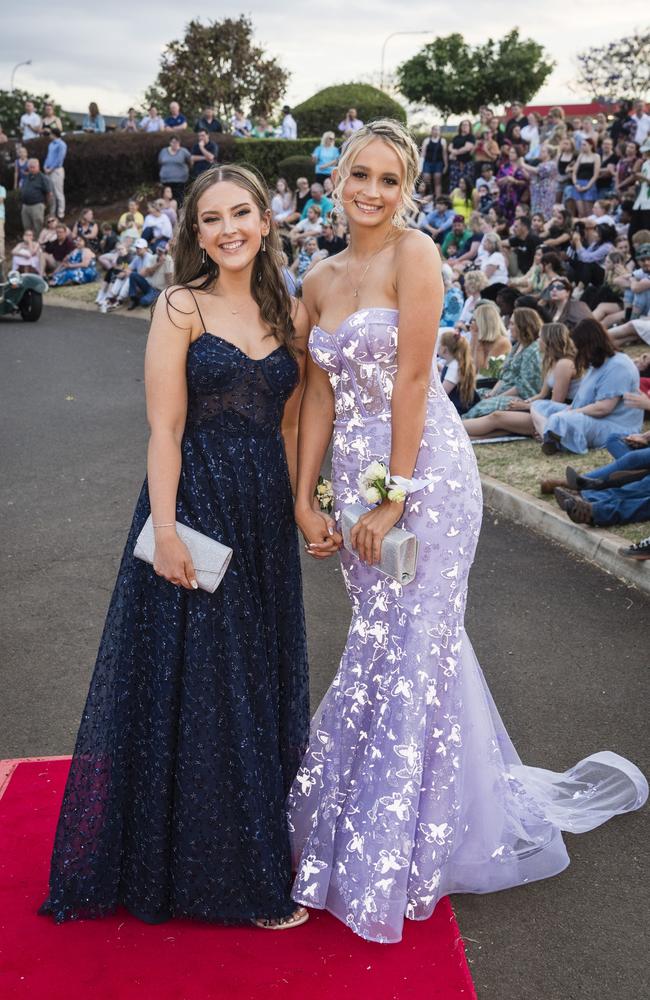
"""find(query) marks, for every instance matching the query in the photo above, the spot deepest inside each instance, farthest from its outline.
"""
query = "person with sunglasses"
(565, 309)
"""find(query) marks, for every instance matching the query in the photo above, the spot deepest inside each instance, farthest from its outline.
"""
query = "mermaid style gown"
(411, 788)
(198, 712)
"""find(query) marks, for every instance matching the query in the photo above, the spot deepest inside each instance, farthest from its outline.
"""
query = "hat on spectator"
(644, 250)
(140, 244)
(458, 218)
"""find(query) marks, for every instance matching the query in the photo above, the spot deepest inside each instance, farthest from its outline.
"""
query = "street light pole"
(27, 62)
(383, 49)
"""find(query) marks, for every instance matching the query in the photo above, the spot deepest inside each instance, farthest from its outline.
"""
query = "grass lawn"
(75, 293)
(522, 464)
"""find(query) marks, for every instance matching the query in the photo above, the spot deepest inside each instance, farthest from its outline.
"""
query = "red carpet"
(119, 958)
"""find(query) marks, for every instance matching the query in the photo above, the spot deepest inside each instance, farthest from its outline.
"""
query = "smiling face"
(372, 193)
(230, 227)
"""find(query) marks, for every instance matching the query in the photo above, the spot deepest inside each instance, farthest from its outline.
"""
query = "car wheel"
(31, 306)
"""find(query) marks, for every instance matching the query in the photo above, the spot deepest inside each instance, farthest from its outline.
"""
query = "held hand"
(635, 441)
(519, 404)
(319, 531)
(172, 560)
(371, 528)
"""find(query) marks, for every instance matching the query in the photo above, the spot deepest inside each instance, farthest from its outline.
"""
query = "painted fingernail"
(330, 530)
(195, 585)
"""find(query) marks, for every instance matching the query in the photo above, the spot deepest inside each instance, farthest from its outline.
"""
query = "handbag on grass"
(210, 558)
(399, 549)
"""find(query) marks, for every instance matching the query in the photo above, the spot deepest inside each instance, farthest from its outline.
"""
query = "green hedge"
(106, 168)
(323, 111)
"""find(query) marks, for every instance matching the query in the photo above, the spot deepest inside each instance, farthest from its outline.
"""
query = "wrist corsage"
(324, 493)
(377, 484)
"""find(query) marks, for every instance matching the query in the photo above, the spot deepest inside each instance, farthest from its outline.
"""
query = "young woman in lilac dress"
(410, 788)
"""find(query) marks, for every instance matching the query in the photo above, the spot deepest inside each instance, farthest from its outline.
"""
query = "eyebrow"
(385, 173)
(211, 211)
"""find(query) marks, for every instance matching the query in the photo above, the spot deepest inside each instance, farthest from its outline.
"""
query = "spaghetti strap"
(197, 308)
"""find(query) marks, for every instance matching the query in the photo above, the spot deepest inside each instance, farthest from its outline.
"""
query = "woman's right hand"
(172, 560)
(318, 529)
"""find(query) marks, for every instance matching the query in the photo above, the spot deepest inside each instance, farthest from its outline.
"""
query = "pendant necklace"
(355, 290)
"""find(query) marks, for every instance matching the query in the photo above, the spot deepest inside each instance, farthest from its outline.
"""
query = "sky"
(110, 54)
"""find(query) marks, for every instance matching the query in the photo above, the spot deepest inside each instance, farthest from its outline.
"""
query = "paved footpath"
(563, 645)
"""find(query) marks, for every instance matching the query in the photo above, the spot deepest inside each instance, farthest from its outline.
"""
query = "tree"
(218, 64)
(617, 70)
(324, 110)
(12, 106)
(456, 78)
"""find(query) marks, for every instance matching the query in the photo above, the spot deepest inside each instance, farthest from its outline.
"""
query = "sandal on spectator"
(552, 443)
(299, 916)
(639, 550)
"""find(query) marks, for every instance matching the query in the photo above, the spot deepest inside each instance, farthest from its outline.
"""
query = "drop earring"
(264, 244)
(202, 255)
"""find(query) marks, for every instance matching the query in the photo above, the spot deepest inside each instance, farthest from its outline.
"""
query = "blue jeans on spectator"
(622, 504)
(617, 447)
(140, 289)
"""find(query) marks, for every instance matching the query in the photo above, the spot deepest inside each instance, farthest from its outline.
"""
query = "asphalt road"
(563, 645)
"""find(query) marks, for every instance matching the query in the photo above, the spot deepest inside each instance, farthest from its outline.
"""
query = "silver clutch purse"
(210, 558)
(399, 549)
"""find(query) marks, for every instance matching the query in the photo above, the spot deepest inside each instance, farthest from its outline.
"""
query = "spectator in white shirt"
(493, 266)
(241, 126)
(311, 225)
(289, 128)
(642, 122)
(152, 122)
(30, 122)
(157, 226)
(350, 123)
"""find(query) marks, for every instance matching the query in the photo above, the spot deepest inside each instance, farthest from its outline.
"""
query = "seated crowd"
(544, 236)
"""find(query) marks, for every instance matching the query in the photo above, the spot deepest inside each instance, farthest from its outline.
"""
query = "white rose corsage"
(324, 493)
(377, 484)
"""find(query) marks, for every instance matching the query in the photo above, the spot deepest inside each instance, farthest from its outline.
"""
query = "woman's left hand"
(518, 404)
(371, 528)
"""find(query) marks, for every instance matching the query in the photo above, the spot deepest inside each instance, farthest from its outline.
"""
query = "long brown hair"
(267, 281)
(557, 345)
(593, 345)
(461, 351)
(527, 323)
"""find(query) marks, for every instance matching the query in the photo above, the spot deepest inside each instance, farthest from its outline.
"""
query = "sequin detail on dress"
(411, 788)
(198, 711)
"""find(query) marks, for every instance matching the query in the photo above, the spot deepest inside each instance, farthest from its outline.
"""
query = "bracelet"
(170, 524)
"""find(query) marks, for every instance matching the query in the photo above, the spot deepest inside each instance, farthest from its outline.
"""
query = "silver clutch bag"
(399, 549)
(210, 558)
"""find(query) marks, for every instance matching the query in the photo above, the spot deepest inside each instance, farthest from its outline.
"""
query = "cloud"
(111, 56)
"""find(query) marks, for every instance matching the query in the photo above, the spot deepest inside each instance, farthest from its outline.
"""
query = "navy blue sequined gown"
(197, 714)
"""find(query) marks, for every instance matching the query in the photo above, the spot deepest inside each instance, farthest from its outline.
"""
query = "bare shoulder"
(416, 246)
(565, 365)
(176, 306)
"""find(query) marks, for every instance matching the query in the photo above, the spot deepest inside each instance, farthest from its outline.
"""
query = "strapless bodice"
(360, 357)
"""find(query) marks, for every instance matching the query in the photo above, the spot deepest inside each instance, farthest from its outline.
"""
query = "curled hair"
(461, 351)
(267, 281)
(395, 135)
(557, 345)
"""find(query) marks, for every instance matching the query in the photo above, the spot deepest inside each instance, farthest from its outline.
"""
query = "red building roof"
(571, 110)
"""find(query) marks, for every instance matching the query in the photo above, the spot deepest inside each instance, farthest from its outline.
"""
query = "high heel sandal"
(299, 916)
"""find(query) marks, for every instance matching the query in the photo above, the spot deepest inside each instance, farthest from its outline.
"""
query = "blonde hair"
(394, 134)
(557, 345)
(326, 136)
(527, 323)
(461, 351)
(489, 323)
(475, 281)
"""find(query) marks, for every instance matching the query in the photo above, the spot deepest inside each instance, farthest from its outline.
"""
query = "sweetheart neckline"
(223, 340)
(356, 312)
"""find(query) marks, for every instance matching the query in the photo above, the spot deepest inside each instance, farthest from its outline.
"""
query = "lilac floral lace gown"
(411, 788)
